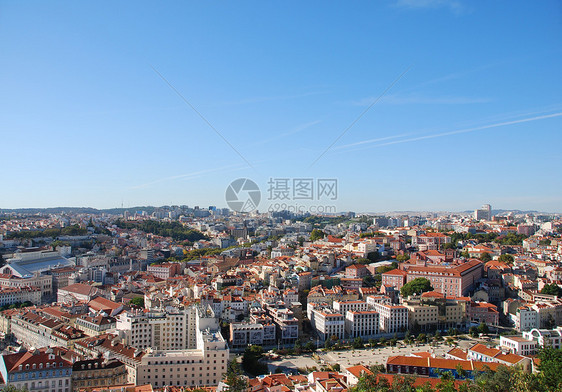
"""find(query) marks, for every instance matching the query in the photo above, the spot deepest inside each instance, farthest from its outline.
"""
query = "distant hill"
(77, 210)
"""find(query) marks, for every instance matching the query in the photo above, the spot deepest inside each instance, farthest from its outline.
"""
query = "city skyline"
(423, 106)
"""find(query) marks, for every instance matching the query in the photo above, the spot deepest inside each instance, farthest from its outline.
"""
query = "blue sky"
(476, 118)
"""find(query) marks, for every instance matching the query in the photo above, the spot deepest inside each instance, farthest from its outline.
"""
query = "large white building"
(328, 323)
(204, 365)
(173, 329)
(392, 318)
(362, 323)
(484, 213)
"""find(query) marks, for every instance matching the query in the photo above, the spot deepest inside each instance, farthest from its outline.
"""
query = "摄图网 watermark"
(297, 195)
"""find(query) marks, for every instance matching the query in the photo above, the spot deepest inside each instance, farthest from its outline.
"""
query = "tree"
(418, 285)
(11, 388)
(310, 346)
(358, 343)
(505, 258)
(485, 257)
(138, 301)
(401, 258)
(251, 361)
(550, 323)
(316, 235)
(552, 289)
(234, 378)
(550, 367)
(483, 328)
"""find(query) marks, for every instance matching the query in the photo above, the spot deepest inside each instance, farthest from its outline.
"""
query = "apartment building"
(361, 323)
(244, 334)
(99, 372)
(12, 295)
(395, 278)
(422, 316)
(392, 318)
(40, 370)
(204, 365)
(43, 281)
(173, 329)
(328, 323)
(164, 271)
(344, 306)
(545, 337)
(453, 281)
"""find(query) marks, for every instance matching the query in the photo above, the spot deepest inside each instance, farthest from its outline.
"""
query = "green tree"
(505, 258)
(251, 361)
(402, 258)
(416, 286)
(552, 289)
(234, 378)
(483, 328)
(138, 301)
(485, 257)
(551, 368)
(358, 343)
(316, 235)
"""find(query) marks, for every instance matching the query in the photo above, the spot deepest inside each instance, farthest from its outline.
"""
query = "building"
(455, 281)
(43, 281)
(392, 318)
(344, 306)
(430, 241)
(433, 367)
(173, 329)
(545, 337)
(484, 213)
(356, 271)
(395, 278)
(518, 345)
(40, 370)
(164, 271)
(361, 323)
(26, 265)
(99, 372)
(205, 365)
(12, 295)
(77, 292)
(328, 323)
(244, 334)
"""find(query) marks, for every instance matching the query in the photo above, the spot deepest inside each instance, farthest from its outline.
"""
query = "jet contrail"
(496, 125)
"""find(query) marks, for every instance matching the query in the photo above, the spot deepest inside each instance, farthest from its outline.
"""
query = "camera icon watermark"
(297, 195)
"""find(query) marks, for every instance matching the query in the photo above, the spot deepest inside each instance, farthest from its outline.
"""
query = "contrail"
(190, 175)
(496, 125)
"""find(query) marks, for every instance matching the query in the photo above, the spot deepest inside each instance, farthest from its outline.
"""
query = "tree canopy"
(175, 230)
(416, 286)
(485, 257)
(552, 289)
(506, 258)
(316, 235)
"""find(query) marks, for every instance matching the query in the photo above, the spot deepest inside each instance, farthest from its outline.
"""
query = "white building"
(545, 337)
(392, 318)
(519, 345)
(344, 306)
(328, 323)
(361, 323)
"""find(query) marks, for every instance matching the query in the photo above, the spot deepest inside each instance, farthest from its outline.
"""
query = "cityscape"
(281, 197)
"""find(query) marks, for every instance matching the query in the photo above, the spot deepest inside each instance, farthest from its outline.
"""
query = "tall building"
(484, 213)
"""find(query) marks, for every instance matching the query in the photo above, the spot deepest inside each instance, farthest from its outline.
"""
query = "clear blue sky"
(86, 121)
